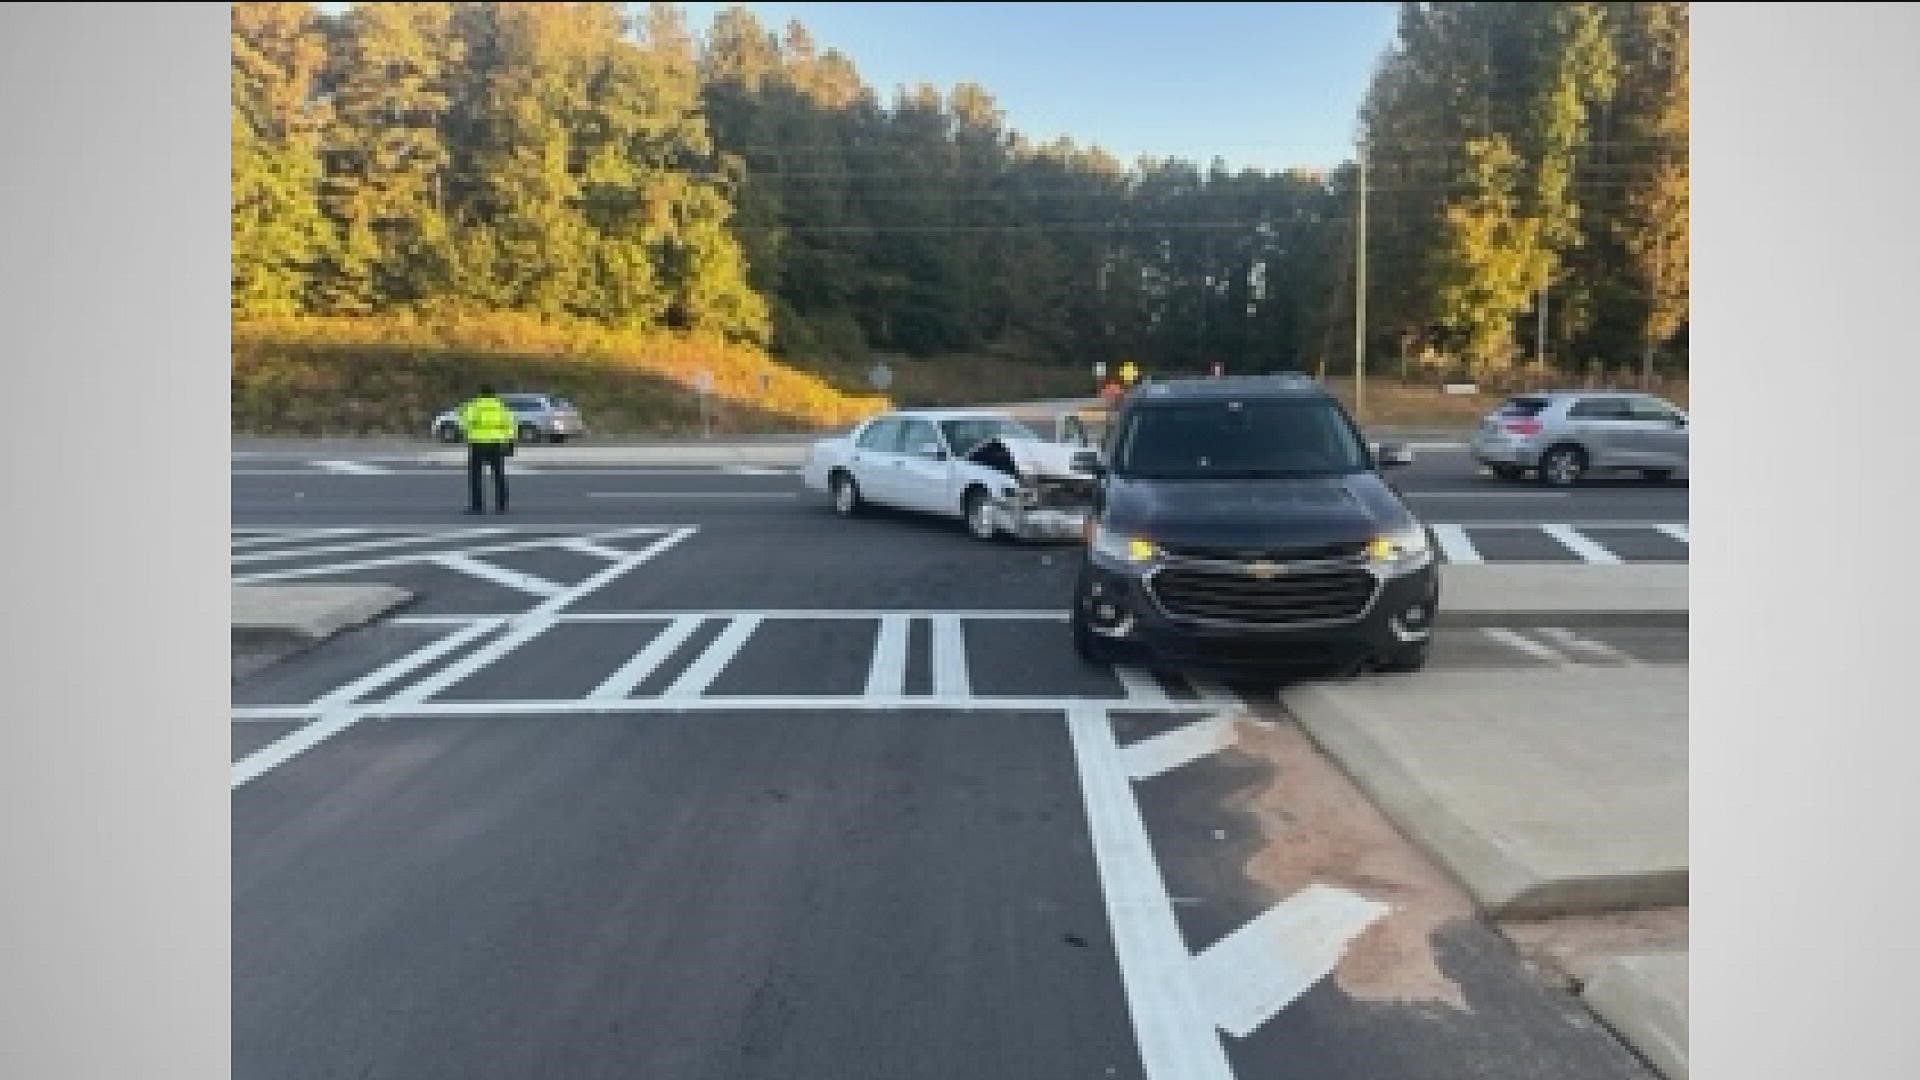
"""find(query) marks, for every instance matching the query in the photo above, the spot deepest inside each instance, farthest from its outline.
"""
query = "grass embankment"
(339, 376)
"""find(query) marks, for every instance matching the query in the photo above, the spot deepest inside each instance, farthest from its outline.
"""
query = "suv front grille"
(1222, 594)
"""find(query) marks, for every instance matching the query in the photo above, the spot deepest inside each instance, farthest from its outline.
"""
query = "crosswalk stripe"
(1678, 532)
(1573, 540)
(351, 468)
(282, 555)
(1521, 643)
(950, 680)
(635, 671)
(700, 674)
(1455, 545)
(888, 675)
(1567, 639)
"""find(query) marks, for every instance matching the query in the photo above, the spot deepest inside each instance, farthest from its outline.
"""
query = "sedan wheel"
(980, 516)
(1563, 466)
(846, 495)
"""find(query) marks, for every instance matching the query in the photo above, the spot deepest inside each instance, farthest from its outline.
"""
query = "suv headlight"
(1122, 549)
(1399, 551)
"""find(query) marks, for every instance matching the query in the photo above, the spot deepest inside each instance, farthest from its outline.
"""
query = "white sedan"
(985, 468)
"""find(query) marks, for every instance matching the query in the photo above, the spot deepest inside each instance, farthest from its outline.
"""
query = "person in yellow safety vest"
(488, 424)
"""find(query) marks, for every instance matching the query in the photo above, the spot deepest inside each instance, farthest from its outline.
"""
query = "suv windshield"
(1217, 440)
(964, 435)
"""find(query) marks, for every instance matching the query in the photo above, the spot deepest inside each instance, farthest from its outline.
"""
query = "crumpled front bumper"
(1043, 522)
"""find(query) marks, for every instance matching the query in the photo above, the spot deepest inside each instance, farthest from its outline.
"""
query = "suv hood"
(1255, 515)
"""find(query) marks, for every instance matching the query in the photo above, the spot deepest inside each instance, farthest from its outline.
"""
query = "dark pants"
(487, 455)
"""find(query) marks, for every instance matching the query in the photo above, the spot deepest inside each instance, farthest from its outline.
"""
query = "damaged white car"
(985, 468)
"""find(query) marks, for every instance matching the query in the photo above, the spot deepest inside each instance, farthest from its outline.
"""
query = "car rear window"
(1524, 406)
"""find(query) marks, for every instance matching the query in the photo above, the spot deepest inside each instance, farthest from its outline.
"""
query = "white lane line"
(746, 703)
(1580, 544)
(526, 627)
(398, 560)
(1567, 639)
(1521, 643)
(1455, 544)
(1173, 1030)
(1183, 745)
(693, 494)
(350, 468)
(635, 671)
(1141, 687)
(590, 547)
(336, 713)
(365, 545)
(1487, 494)
(756, 470)
(1677, 532)
(888, 674)
(867, 614)
(705, 668)
(513, 579)
(950, 659)
(1264, 966)
(244, 543)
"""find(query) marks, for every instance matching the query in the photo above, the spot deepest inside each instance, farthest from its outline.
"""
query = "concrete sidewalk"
(1543, 792)
(281, 618)
(1563, 594)
(1643, 998)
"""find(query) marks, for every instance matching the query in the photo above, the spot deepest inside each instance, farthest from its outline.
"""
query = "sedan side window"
(881, 437)
(1600, 409)
(1649, 409)
(916, 435)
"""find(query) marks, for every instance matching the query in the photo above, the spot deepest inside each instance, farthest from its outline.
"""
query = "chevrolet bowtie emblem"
(1265, 570)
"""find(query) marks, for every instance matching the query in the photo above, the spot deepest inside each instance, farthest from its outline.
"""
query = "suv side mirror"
(1395, 455)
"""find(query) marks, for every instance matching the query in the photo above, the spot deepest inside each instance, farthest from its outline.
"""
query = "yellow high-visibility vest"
(487, 420)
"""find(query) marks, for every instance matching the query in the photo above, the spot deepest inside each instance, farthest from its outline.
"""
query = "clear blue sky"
(1268, 85)
(1259, 84)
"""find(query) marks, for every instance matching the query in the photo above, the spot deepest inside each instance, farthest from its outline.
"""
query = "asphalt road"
(671, 773)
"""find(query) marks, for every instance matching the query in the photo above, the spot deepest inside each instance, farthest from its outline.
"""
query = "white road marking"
(1678, 532)
(950, 659)
(590, 547)
(419, 556)
(705, 668)
(693, 494)
(1140, 686)
(526, 627)
(1173, 1029)
(464, 563)
(635, 671)
(1567, 639)
(1578, 543)
(1264, 966)
(1455, 545)
(1183, 745)
(1521, 643)
(365, 545)
(335, 712)
(887, 676)
(1486, 494)
(756, 470)
(746, 703)
(245, 543)
(350, 468)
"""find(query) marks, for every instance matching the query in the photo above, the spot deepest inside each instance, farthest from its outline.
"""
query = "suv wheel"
(529, 434)
(1563, 466)
(447, 433)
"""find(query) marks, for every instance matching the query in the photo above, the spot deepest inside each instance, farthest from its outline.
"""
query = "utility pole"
(1540, 338)
(1653, 310)
(1360, 296)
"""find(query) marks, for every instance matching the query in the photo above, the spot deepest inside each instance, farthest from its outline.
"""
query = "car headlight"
(1399, 551)
(1117, 547)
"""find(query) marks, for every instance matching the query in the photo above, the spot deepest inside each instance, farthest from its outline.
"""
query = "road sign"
(881, 376)
(1129, 371)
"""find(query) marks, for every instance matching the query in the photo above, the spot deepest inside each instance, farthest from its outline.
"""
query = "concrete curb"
(1643, 998)
(284, 618)
(1492, 865)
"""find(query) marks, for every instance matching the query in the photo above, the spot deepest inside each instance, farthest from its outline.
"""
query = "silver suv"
(536, 418)
(1564, 435)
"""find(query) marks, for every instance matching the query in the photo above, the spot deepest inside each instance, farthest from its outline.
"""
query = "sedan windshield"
(966, 434)
(1218, 440)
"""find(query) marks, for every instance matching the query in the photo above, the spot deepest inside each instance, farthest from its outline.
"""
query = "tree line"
(573, 162)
